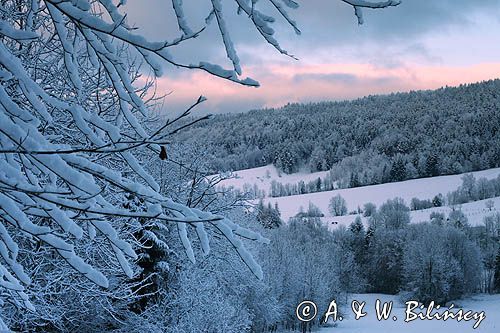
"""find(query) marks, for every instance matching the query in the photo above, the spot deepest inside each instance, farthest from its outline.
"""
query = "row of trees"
(318, 185)
(473, 189)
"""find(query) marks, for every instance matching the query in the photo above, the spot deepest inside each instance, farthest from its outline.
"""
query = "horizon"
(359, 98)
(414, 46)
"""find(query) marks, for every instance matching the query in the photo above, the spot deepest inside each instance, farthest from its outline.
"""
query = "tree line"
(371, 140)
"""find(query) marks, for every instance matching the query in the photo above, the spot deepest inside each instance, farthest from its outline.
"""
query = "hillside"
(262, 178)
(424, 188)
(373, 140)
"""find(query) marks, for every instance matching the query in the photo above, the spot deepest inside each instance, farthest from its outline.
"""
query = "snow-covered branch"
(360, 4)
(73, 123)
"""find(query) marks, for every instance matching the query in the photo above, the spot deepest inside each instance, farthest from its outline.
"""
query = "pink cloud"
(296, 82)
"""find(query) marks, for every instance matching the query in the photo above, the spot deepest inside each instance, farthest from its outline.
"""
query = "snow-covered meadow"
(424, 188)
(474, 211)
(263, 176)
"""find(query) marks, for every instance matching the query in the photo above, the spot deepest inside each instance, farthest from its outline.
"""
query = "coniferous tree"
(496, 283)
(398, 169)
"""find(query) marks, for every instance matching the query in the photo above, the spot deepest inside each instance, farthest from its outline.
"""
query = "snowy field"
(490, 304)
(263, 177)
(424, 188)
(474, 211)
(290, 206)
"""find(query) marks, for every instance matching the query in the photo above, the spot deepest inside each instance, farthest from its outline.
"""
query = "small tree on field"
(369, 209)
(438, 200)
(337, 206)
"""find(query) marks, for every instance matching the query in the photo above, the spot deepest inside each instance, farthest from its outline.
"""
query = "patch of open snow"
(263, 176)
(424, 188)
(369, 324)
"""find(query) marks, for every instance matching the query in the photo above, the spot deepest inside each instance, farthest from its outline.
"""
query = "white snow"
(263, 176)
(424, 188)
(369, 324)
(474, 211)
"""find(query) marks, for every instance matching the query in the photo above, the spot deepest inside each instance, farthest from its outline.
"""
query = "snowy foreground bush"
(75, 124)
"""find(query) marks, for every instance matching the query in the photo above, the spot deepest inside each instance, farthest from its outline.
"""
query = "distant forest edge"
(372, 140)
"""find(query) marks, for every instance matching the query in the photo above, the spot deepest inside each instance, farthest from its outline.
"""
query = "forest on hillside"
(371, 140)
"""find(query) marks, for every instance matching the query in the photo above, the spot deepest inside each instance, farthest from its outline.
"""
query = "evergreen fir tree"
(398, 169)
(431, 165)
(357, 227)
(496, 282)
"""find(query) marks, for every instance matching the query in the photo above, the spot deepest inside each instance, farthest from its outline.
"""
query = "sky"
(421, 44)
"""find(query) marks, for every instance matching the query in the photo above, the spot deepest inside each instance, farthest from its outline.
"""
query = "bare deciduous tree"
(72, 118)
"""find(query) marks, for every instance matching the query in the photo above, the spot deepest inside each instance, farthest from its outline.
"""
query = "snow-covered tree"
(458, 219)
(490, 204)
(268, 216)
(384, 262)
(394, 214)
(73, 117)
(429, 270)
(348, 260)
(369, 209)
(496, 281)
(489, 243)
(337, 206)
(303, 262)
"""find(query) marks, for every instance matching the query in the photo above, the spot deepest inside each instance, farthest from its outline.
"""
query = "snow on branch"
(70, 123)
(360, 4)
(8, 31)
(97, 26)
(74, 127)
(228, 43)
(181, 19)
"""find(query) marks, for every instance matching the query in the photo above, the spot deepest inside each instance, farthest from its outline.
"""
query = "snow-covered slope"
(474, 211)
(369, 324)
(263, 177)
(424, 188)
